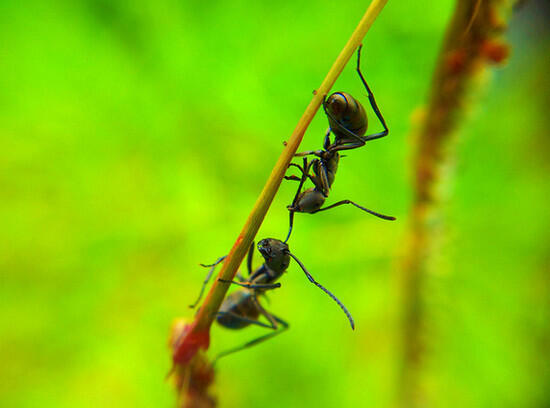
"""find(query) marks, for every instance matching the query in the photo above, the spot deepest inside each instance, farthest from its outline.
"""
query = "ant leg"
(320, 180)
(385, 217)
(309, 153)
(291, 222)
(305, 172)
(312, 179)
(292, 177)
(220, 259)
(295, 178)
(265, 313)
(372, 103)
(347, 146)
(292, 207)
(297, 166)
(253, 285)
(306, 153)
(207, 279)
(312, 280)
(326, 141)
(245, 319)
(249, 259)
(283, 326)
(321, 177)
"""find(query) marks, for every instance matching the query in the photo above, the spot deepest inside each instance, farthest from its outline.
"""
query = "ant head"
(275, 253)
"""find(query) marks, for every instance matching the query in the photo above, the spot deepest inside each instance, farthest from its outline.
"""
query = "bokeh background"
(136, 137)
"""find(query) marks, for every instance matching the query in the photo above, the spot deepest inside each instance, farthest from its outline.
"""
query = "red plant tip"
(186, 341)
(494, 51)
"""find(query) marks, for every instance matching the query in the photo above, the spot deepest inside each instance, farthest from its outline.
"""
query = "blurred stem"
(471, 43)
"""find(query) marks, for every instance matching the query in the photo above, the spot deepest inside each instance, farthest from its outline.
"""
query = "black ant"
(242, 308)
(347, 118)
(348, 121)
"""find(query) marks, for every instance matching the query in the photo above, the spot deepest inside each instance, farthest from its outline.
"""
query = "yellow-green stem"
(234, 258)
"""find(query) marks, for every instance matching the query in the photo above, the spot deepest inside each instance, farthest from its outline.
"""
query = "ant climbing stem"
(242, 307)
(348, 119)
(348, 122)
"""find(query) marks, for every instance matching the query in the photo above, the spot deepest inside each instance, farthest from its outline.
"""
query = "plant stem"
(192, 373)
(244, 240)
(212, 303)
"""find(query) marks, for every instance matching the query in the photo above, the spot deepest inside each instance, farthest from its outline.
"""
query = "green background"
(136, 137)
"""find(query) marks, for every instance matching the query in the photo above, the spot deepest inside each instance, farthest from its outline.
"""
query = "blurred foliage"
(136, 137)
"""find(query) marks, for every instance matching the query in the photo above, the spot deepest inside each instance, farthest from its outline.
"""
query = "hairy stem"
(471, 43)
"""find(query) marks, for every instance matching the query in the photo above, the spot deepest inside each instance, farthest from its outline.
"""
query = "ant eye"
(265, 248)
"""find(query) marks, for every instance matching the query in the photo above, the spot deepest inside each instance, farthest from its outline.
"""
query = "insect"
(348, 122)
(347, 118)
(242, 307)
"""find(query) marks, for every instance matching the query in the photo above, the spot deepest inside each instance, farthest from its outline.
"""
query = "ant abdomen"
(237, 304)
(345, 114)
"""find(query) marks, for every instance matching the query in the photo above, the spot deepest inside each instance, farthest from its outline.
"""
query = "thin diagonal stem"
(192, 377)
(217, 293)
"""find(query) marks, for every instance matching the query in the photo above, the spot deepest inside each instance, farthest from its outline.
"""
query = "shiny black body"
(242, 307)
(348, 122)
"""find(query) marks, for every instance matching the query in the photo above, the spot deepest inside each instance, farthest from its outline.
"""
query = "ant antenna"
(348, 314)
(291, 216)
